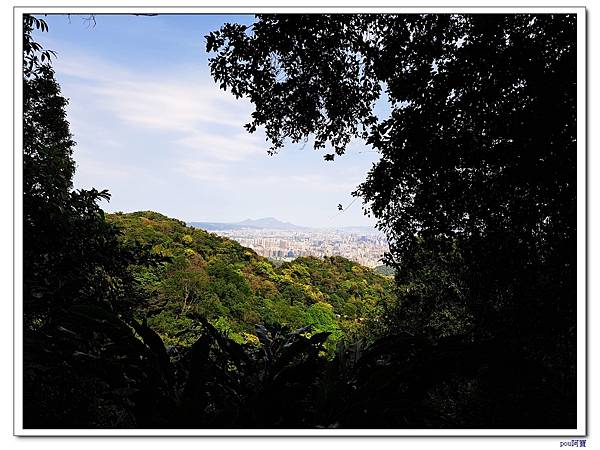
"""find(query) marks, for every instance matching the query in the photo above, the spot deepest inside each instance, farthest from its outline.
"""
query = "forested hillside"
(139, 321)
(202, 274)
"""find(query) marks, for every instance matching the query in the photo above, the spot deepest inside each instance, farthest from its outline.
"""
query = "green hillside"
(236, 289)
(384, 270)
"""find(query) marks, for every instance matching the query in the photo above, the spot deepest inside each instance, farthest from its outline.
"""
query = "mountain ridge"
(272, 223)
(261, 223)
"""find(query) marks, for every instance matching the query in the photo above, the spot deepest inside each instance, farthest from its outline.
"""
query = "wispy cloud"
(214, 173)
(230, 147)
(189, 107)
(164, 137)
(172, 105)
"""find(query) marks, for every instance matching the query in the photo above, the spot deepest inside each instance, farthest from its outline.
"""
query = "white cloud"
(162, 140)
(189, 107)
(323, 183)
(236, 147)
(93, 172)
(231, 175)
(203, 171)
(171, 105)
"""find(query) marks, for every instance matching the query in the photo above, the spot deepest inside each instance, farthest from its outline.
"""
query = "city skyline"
(284, 241)
(286, 245)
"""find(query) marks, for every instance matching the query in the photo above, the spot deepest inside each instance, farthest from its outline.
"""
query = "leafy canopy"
(235, 289)
(478, 151)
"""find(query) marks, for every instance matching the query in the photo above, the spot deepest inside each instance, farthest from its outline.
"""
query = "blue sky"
(155, 130)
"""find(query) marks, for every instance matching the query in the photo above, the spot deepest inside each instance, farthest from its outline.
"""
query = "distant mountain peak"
(272, 223)
(268, 222)
(262, 223)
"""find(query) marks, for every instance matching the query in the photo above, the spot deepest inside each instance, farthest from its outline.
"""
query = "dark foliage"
(88, 370)
(476, 183)
(70, 252)
(79, 357)
(475, 188)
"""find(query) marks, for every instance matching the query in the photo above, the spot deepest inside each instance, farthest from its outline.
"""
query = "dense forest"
(139, 321)
(235, 289)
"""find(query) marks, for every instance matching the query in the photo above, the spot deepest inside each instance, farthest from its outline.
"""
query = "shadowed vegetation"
(139, 321)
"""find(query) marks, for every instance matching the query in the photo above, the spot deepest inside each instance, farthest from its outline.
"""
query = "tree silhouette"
(476, 183)
(83, 366)
(475, 189)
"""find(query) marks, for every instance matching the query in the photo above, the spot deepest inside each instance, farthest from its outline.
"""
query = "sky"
(154, 129)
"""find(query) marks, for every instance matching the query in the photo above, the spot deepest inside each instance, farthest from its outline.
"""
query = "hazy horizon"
(252, 219)
(154, 129)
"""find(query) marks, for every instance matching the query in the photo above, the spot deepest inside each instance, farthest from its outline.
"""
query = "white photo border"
(582, 167)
